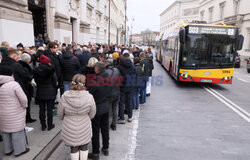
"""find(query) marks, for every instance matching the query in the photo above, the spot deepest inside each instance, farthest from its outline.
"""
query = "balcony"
(234, 20)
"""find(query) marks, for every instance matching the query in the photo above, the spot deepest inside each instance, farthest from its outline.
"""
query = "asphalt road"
(185, 121)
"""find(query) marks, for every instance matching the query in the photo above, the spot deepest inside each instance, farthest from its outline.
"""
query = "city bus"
(200, 52)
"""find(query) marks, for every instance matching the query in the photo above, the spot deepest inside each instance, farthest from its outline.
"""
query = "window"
(89, 13)
(236, 6)
(211, 9)
(248, 38)
(222, 6)
(202, 15)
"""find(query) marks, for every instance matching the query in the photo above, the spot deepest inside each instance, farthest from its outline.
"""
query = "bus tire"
(248, 70)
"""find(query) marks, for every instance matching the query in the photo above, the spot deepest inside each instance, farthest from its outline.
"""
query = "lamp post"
(125, 35)
(109, 24)
(131, 39)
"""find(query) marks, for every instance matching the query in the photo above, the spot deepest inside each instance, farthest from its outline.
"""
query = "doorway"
(37, 7)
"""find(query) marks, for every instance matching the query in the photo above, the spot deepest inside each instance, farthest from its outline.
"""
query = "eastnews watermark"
(128, 80)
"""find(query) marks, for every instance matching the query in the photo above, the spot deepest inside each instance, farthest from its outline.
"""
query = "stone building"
(180, 10)
(117, 21)
(231, 12)
(80, 21)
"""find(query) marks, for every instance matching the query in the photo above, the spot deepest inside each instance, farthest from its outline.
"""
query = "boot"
(84, 155)
(74, 156)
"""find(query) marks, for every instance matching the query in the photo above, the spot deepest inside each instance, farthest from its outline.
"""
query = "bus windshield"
(208, 51)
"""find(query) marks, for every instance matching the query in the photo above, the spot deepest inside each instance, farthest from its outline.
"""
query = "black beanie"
(6, 70)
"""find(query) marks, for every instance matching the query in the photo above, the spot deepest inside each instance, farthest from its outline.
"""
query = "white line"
(243, 80)
(232, 103)
(133, 136)
(228, 105)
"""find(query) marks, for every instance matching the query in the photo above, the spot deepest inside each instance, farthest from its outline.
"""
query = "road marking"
(241, 112)
(242, 80)
(133, 136)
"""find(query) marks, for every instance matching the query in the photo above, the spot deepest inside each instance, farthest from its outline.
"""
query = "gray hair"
(25, 57)
(142, 54)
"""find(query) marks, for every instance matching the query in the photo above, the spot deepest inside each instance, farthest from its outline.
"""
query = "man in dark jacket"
(55, 62)
(94, 53)
(128, 72)
(101, 120)
(70, 67)
(28, 89)
(46, 81)
(20, 73)
(114, 98)
(84, 57)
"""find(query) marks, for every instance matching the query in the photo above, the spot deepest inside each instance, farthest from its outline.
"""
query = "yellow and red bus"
(200, 52)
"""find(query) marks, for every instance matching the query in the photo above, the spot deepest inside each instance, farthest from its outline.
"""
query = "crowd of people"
(93, 80)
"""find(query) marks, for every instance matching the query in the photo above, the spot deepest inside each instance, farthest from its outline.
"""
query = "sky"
(146, 14)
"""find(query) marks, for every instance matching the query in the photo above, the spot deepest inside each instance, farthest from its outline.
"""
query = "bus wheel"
(248, 70)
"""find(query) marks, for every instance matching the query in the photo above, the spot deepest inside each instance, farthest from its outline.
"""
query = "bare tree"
(147, 37)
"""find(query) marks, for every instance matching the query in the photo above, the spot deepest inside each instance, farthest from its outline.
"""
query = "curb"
(48, 150)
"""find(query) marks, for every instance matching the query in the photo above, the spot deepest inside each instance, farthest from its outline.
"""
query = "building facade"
(66, 21)
(231, 12)
(118, 21)
(179, 11)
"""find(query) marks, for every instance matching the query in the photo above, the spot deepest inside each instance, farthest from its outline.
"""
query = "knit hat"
(115, 55)
(19, 45)
(44, 59)
(6, 70)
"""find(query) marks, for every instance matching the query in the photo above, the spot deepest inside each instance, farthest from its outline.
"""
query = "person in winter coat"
(101, 119)
(70, 67)
(11, 61)
(94, 53)
(46, 81)
(4, 49)
(145, 64)
(55, 61)
(76, 109)
(84, 57)
(115, 90)
(149, 56)
(28, 89)
(13, 103)
(127, 71)
(139, 81)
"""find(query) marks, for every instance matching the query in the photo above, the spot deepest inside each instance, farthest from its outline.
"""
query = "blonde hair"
(78, 82)
(92, 62)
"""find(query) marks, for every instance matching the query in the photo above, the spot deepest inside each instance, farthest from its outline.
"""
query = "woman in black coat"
(45, 78)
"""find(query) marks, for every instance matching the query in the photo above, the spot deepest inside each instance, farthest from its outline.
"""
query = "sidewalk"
(122, 142)
(37, 140)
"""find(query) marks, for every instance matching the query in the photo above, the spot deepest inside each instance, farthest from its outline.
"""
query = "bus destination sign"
(211, 30)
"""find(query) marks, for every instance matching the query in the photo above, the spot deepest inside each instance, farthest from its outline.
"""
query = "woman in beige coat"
(13, 104)
(76, 109)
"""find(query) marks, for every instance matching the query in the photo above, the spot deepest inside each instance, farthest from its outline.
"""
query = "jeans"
(143, 93)
(100, 122)
(113, 103)
(136, 98)
(125, 102)
(66, 85)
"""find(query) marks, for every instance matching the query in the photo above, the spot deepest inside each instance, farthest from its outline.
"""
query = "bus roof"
(210, 25)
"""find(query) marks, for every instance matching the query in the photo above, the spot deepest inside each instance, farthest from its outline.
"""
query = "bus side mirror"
(182, 36)
(239, 42)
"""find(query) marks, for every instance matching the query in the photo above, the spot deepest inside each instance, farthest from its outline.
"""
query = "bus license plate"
(206, 80)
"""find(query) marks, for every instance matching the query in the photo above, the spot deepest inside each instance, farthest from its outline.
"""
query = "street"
(185, 121)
